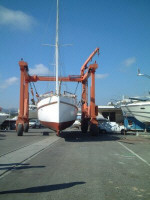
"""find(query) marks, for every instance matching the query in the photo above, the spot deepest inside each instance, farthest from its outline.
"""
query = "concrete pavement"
(82, 167)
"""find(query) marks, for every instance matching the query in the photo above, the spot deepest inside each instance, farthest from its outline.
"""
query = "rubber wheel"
(102, 131)
(84, 126)
(20, 130)
(26, 127)
(94, 130)
(58, 133)
(123, 132)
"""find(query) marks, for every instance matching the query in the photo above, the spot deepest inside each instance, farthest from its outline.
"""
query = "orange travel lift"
(89, 113)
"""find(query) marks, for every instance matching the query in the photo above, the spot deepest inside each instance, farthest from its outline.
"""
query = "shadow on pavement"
(78, 136)
(45, 188)
(22, 167)
(2, 136)
(18, 166)
(126, 142)
(9, 164)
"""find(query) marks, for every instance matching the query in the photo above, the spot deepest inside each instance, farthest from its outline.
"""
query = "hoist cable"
(76, 88)
(37, 95)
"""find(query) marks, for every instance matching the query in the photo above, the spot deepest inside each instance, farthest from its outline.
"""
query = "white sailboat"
(57, 111)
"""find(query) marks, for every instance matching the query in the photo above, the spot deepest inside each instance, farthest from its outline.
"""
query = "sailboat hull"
(57, 126)
(57, 112)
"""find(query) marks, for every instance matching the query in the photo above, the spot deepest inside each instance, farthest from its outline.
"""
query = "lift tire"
(123, 132)
(84, 126)
(58, 133)
(20, 130)
(26, 127)
(94, 130)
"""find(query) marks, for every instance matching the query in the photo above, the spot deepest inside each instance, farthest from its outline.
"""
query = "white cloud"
(8, 82)
(17, 19)
(129, 61)
(101, 76)
(39, 69)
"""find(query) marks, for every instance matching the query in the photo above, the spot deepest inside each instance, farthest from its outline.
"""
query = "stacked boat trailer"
(134, 125)
(89, 112)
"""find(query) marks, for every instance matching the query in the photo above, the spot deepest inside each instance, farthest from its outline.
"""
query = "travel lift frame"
(89, 113)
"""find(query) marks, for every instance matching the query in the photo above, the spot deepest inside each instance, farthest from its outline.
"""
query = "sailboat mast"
(57, 46)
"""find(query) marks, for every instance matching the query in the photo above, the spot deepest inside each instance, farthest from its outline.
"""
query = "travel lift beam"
(89, 113)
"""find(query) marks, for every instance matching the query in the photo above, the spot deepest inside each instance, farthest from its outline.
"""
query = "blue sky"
(120, 28)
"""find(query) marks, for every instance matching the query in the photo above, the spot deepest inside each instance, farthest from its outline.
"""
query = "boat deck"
(74, 166)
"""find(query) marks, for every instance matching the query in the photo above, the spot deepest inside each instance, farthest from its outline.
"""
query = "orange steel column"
(83, 98)
(84, 109)
(20, 119)
(92, 102)
(26, 102)
(21, 106)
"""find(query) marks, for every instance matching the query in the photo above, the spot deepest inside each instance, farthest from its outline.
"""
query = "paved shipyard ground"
(74, 166)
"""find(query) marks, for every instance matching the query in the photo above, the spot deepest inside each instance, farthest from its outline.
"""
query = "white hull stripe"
(69, 104)
(55, 103)
(47, 105)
